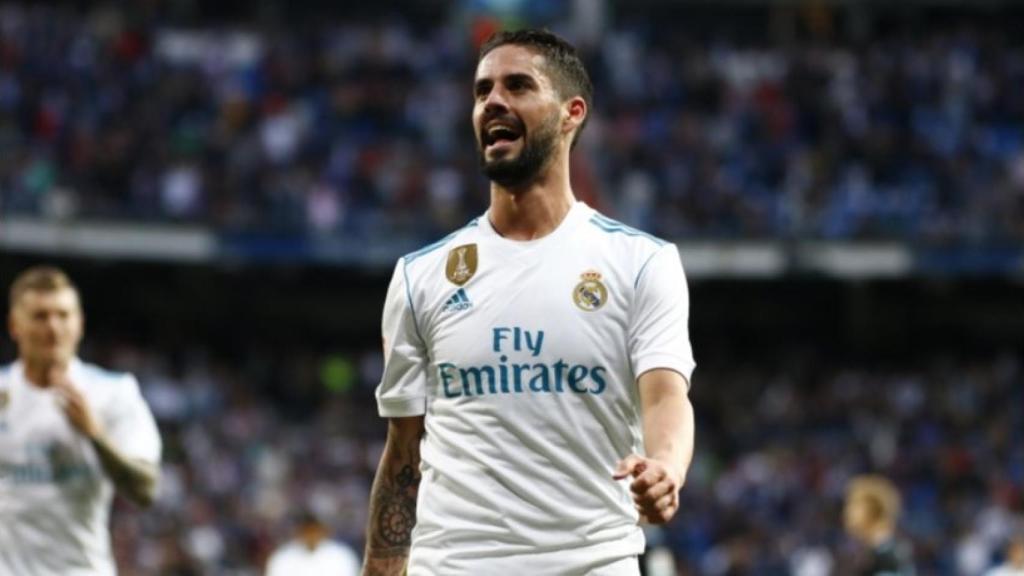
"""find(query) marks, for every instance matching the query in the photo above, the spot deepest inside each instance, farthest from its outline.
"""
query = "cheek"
(859, 515)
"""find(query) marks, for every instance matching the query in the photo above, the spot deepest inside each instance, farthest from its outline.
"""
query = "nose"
(495, 101)
(53, 322)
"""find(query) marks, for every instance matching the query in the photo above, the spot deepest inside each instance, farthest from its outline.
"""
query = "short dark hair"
(563, 63)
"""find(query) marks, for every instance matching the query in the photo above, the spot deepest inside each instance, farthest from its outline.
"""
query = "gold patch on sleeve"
(462, 262)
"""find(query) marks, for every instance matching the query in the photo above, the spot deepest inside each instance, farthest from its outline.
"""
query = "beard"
(521, 170)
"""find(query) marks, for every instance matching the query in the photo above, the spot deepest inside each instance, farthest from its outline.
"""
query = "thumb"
(632, 464)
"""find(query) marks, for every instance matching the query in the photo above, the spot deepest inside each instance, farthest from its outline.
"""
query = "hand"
(76, 408)
(655, 487)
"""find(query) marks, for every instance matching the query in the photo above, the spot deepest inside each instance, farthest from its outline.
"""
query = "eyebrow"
(521, 77)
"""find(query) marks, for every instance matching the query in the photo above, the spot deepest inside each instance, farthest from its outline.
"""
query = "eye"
(481, 90)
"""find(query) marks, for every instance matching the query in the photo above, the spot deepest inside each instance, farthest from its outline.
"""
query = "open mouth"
(499, 133)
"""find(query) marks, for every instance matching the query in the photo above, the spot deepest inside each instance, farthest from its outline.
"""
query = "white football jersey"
(523, 357)
(54, 496)
(328, 559)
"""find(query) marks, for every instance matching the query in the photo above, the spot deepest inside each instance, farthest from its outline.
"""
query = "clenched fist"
(655, 487)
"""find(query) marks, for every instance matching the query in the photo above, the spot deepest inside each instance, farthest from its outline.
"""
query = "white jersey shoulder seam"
(433, 249)
(430, 248)
(652, 245)
(613, 227)
(102, 373)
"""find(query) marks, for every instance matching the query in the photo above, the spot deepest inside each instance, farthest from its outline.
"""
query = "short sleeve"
(132, 427)
(347, 561)
(278, 565)
(403, 387)
(659, 335)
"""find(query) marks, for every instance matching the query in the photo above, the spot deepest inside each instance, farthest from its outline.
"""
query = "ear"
(575, 113)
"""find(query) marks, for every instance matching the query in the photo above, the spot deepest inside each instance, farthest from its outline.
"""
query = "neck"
(536, 209)
(38, 373)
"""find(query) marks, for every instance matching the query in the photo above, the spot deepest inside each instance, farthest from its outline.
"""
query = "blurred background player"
(871, 515)
(1013, 565)
(539, 357)
(312, 553)
(71, 434)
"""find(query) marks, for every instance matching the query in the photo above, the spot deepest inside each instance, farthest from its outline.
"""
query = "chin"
(502, 156)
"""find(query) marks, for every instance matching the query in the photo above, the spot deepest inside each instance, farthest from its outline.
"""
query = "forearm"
(135, 479)
(393, 504)
(668, 424)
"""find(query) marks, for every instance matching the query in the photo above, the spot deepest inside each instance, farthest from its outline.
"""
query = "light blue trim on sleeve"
(431, 247)
(611, 226)
(644, 267)
(408, 297)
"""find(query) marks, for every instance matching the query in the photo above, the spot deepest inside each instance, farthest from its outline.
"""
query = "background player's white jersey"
(329, 558)
(54, 497)
(523, 356)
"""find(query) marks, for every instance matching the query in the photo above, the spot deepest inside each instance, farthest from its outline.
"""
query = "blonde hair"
(881, 495)
(39, 279)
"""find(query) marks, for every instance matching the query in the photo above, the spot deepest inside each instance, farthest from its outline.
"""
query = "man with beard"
(537, 361)
(70, 435)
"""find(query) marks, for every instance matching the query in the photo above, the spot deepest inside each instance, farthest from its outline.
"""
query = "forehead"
(59, 298)
(511, 59)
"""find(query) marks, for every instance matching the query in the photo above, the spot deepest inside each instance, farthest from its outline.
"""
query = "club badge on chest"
(590, 294)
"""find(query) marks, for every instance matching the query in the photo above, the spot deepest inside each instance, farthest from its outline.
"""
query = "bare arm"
(136, 479)
(667, 419)
(393, 499)
(668, 424)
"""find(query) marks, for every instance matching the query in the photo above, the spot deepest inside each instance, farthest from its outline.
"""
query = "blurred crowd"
(251, 443)
(361, 129)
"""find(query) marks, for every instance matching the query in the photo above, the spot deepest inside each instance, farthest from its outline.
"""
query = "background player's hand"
(655, 487)
(75, 406)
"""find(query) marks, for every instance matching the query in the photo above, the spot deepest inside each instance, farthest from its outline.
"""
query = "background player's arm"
(668, 425)
(393, 499)
(134, 478)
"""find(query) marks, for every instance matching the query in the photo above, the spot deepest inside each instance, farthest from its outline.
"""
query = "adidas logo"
(458, 301)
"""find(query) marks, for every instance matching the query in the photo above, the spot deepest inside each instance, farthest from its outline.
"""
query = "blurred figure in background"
(871, 514)
(1014, 563)
(312, 553)
(70, 434)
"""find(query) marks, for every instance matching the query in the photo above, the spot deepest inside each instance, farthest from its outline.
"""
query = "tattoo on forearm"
(393, 509)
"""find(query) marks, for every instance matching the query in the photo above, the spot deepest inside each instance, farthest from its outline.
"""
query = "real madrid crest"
(590, 294)
(461, 265)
